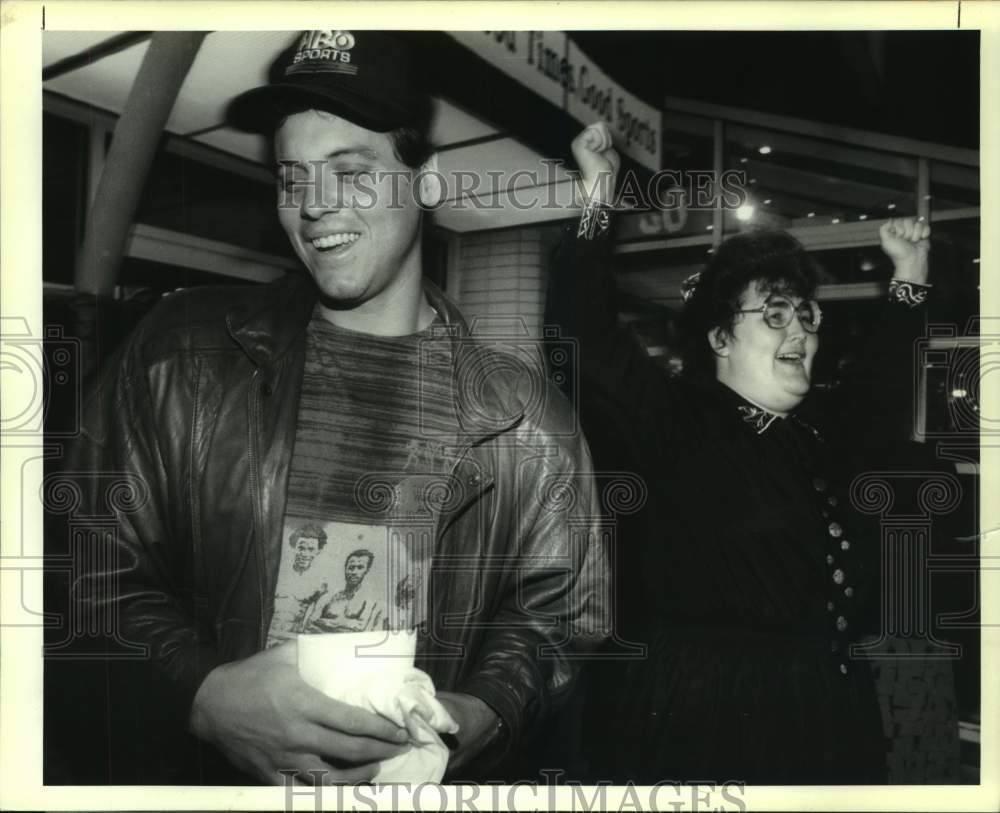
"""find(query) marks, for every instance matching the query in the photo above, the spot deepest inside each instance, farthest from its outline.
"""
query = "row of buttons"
(836, 531)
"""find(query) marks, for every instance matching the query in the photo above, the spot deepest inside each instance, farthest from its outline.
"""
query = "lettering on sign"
(550, 64)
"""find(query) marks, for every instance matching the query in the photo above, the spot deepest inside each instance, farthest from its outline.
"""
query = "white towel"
(374, 671)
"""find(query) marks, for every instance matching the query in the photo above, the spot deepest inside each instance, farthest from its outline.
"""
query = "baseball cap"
(371, 78)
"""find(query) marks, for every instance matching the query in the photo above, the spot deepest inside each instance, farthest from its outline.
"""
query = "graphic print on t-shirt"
(345, 577)
(374, 448)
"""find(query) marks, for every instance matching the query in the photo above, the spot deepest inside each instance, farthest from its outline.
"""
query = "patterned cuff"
(909, 293)
(594, 220)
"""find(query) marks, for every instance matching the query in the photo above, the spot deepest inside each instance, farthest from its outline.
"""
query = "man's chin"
(340, 291)
(342, 298)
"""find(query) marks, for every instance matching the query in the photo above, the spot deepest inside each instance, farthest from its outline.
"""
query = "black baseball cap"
(371, 78)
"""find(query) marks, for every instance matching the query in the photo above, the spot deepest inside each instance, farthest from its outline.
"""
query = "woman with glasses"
(744, 573)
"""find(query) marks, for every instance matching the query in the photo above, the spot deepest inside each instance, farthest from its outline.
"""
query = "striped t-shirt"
(374, 442)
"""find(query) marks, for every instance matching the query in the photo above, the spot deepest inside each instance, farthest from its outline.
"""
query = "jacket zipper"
(258, 512)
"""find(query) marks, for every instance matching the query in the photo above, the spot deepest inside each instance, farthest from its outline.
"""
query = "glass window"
(194, 198)
(953, 186)
(796, 181)
(952, 391)
(853, 265)
(64, 195)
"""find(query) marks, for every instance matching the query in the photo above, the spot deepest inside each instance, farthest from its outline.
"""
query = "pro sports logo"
(323, 52)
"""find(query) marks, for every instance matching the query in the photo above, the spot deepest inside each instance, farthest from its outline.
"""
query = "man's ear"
(718, 340)
(431, 190)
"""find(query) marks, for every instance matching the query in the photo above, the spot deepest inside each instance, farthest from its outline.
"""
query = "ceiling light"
(709, 228)
(811, 214)
(743, 160)
(835, 220)
(767, 202)
(862, 217)
(959, 393)
(891, 206)
(765, 150)
(744, 212)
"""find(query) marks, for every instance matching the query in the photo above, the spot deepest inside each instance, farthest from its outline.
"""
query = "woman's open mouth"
(794, 358)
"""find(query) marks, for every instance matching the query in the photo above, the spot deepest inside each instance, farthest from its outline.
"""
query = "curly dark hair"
(774, 260)
(361, 552)
(308, 532)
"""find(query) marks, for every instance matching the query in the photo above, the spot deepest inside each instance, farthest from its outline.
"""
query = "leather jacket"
(201, 426)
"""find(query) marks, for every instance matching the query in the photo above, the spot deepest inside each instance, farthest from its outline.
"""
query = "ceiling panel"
(451, 125)
(227, 63)
(246, 145)
(480, 201)
(105, 83)
(57, 45)
(517, 164)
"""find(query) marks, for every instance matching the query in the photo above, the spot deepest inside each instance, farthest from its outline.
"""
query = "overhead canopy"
(98, 68)
(826, 182)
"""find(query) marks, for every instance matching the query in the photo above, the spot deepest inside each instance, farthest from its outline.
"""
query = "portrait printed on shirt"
(346, 577)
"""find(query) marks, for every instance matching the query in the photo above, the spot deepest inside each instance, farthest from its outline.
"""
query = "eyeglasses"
(778, 312)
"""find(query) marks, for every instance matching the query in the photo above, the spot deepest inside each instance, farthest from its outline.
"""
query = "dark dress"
(746, 574)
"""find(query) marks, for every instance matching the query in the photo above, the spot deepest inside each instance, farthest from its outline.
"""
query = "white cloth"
(374, 671)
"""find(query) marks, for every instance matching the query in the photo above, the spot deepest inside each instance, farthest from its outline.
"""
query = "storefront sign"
(550, 64)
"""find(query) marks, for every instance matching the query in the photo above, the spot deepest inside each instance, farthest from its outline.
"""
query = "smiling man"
(251, 412)
(352, 211)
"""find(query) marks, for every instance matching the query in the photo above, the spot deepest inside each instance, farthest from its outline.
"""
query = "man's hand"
(599, 162)
(477, 725)
(265, 718)
(906, 241)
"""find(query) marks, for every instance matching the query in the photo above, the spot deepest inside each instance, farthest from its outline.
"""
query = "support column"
(136, 135)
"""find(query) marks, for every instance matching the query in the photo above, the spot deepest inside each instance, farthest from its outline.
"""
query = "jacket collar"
(272, 319)
(268, 321)
(484, 408)
(756, 417)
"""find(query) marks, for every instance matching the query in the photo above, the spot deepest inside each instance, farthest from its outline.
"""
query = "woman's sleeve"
(873, 407)
(614, 369)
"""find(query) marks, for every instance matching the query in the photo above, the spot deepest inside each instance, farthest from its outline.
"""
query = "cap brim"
(259, 110)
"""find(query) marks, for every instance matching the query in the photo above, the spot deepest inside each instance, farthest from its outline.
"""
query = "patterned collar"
(759, 419)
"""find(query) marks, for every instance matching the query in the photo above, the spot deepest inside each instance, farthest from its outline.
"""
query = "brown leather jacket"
(201, 426)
